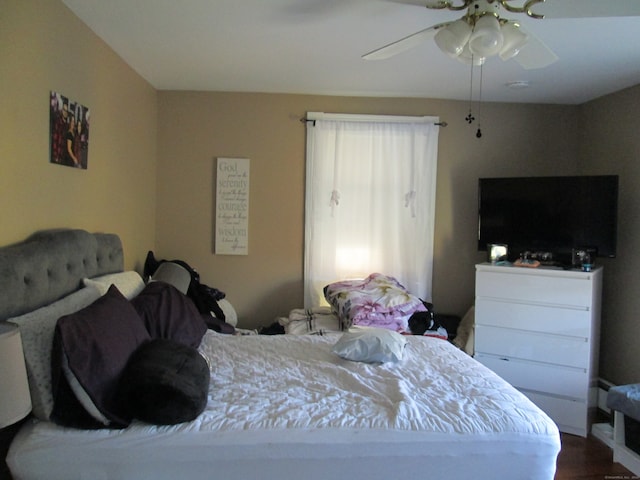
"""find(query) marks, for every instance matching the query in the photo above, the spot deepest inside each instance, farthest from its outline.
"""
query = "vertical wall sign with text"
(232, 206)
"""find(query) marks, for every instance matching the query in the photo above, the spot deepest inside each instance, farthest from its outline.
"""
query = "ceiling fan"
(483, 32)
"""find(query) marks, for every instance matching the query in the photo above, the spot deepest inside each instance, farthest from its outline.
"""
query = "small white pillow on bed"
(370, 345)
(130, 283)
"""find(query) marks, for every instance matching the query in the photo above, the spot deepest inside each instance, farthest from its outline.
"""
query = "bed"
(277, 406)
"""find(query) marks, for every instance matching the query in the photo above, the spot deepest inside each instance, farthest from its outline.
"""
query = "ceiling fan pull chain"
(470, 118)
(479, 132)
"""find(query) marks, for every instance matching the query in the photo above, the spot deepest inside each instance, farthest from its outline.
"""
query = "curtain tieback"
(410, 201)
(335, 200)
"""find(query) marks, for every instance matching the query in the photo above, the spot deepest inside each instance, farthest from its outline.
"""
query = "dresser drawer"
(519, 344)
(573, 289)
(569, 321)
(560, 381)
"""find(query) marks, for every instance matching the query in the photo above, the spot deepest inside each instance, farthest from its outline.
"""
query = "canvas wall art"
(69, 132)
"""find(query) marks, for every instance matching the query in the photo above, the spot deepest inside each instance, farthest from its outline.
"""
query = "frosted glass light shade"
(452, 38)
(486, 39)
(513, 40)
(15, 400)
(468, 58)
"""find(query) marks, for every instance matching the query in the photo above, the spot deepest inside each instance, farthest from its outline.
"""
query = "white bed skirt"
(280, 455)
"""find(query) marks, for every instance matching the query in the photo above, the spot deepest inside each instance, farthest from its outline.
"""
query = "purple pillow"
(97, 342)
(167, 313)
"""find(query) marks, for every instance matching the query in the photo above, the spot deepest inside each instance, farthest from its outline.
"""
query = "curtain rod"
(313, 116)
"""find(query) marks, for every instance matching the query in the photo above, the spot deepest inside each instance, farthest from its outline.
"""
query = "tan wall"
(196, 127)
(610, 145)
(43, 48)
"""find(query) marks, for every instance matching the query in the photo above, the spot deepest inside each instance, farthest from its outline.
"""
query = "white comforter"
(285, 407)
(297, 382)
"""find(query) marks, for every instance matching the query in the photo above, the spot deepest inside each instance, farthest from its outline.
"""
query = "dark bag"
(420, 322)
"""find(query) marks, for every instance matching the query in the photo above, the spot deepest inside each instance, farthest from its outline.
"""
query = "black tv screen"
(549, 214)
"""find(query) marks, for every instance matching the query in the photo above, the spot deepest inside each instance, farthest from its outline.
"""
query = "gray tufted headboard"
(51, 264)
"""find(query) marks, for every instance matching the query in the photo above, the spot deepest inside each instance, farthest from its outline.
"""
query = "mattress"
(285, 407)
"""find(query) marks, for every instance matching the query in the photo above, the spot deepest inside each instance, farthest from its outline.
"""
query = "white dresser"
(539, 329)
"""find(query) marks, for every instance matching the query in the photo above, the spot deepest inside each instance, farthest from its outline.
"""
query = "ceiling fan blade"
(535, 54)
(587, 8)
(403, 44)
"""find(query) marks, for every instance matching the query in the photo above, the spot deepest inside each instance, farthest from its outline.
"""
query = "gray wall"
(610, 144)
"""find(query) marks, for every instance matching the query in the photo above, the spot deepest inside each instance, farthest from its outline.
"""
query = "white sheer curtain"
(370, 200)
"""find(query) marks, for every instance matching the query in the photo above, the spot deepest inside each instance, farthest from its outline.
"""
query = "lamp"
(486, 39)
(479, 37)
(469, 58)
(15, 400)
(481, 33)
(454, 37)
(173, 274)
(513, 40)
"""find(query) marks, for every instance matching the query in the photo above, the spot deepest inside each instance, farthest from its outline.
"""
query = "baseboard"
(604, 433)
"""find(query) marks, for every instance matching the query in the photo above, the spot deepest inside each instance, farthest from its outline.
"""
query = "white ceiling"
(315, 47)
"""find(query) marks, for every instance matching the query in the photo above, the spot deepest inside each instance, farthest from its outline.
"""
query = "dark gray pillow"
(165, 382)
(169, 314)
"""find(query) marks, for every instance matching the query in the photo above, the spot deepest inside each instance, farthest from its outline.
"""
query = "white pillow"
(36, 331)
(130, 283)
(311, 321)
(230, 315)
(370, 345)
(81, 394)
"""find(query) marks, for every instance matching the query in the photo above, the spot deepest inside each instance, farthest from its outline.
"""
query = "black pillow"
(165, 383)
(97, 342)
(169, 314)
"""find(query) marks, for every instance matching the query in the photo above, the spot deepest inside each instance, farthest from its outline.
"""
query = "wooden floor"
(588, 459)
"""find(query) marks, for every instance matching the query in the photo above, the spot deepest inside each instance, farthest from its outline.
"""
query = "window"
(370, 200)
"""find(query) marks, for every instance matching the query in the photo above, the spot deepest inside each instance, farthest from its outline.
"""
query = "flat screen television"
(551, 215)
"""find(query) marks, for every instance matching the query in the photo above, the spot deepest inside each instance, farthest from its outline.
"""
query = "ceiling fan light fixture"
(453, 38)
(469, 58)
(513, 40)
(486, 39)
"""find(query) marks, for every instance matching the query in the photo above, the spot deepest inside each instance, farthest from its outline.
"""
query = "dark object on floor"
(420, 322)
(449, 322)
(274, 329)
